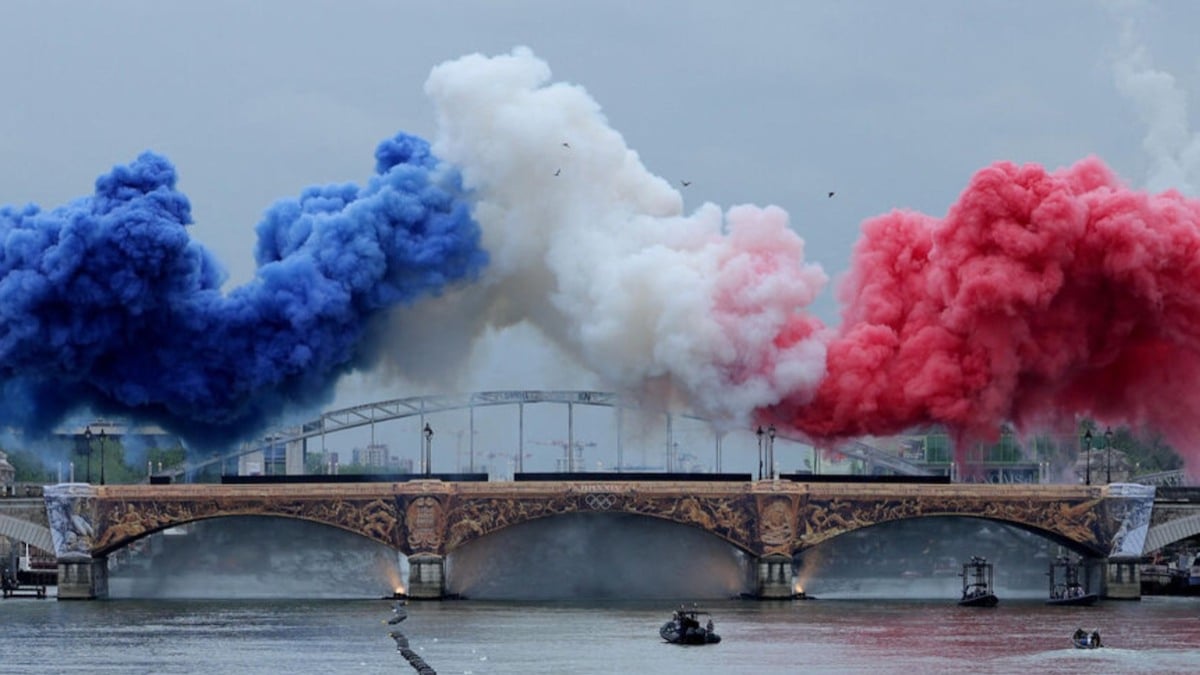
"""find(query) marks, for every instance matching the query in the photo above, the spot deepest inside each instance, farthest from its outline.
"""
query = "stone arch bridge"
(770, 520)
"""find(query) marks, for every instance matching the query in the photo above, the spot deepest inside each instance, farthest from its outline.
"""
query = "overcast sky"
(888, 104)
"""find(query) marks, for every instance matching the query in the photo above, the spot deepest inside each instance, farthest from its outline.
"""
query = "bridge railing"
(1176, 478)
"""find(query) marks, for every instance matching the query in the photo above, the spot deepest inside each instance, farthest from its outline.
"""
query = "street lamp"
(760, 433)
(102, 439)
(428, 448)
(87, 440)
(1087, 453)
(771, 451)
(1108, 436)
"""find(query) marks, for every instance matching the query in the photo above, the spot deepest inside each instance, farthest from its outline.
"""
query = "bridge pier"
(1122, 579)
(773, 578)
(83, 579)
(426, 576)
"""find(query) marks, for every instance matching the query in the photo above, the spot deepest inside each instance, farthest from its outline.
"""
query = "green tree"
(30, 468)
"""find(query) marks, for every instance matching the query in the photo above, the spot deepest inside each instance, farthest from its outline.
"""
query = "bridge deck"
(519, 488)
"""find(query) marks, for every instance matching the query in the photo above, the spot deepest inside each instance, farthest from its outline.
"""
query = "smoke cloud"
(596, 252)
(1039, 297)
(1172, 148)
(107, 304)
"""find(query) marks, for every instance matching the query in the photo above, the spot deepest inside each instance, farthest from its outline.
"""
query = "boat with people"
(685, 628)
(1084, 640)
(10, 585)
(1065, 587)
(978, 577)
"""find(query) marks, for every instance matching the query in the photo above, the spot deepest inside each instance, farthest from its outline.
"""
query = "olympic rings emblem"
(600, 502)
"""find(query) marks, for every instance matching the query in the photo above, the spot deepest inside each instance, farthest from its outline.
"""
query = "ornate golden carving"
(760, 518)
(425, 524)
(731, 517)
(776, 527)
(1074, 520)
(120, 522)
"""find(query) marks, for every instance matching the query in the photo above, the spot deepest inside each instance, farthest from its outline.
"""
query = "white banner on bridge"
(1133, 504)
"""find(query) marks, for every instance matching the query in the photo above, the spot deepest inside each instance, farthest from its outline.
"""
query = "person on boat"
(1095, 639)
(1080, 635)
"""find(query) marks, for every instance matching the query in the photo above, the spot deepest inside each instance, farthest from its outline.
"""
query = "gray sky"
(890, 104)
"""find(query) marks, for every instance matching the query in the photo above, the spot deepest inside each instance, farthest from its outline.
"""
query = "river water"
(1156, 635)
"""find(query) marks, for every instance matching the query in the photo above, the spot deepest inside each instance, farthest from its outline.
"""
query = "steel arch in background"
(418, 406)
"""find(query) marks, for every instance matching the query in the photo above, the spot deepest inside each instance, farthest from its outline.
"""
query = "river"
(1156, 635)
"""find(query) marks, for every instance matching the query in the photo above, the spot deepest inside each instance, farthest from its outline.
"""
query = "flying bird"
(557, 171)
(831, 194)
(686, 182)
(566, 144)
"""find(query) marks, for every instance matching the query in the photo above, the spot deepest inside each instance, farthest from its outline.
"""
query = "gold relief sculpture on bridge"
(424, 519)
(824, 519)
(776, 526)
(473, 518)
(783, 520)
(120, 522)
(730, 518)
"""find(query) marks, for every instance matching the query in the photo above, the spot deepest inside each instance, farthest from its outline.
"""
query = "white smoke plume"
(1161, 103)
(592, 249)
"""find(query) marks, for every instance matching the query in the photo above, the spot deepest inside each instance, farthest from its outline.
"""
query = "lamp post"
(1108, 436)
(771, 451)
(428, 449)
(760, 433)
(1087, 453)
(87, 440)
(102, 439)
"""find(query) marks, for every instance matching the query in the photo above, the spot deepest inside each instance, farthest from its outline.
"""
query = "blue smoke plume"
(107, 304)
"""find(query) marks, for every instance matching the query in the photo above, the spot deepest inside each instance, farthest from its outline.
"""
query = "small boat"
(685, 628)
(1082, 640)
(1065, 589)
(977, 578)
(10, 584)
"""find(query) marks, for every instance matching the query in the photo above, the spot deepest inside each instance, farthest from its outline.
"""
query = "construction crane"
(569, 462)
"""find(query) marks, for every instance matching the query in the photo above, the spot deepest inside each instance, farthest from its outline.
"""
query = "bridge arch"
(122, 523)
(600, 554)
(1080, 519)
(1081, 548)
(728, 515)
(1172, 531)
(466, 532)
(26, 532)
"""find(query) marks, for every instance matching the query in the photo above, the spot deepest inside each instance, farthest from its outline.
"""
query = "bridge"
(770, 520)
(426, 408)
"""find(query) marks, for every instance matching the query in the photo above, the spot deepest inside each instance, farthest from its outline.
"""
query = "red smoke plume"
(1040, 297)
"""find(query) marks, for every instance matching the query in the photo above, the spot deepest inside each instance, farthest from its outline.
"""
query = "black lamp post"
(1087, 453)
(1108, 436)
(760, 433)
(87, 440)
(771, 451)
(102, 439)
(428, 449)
